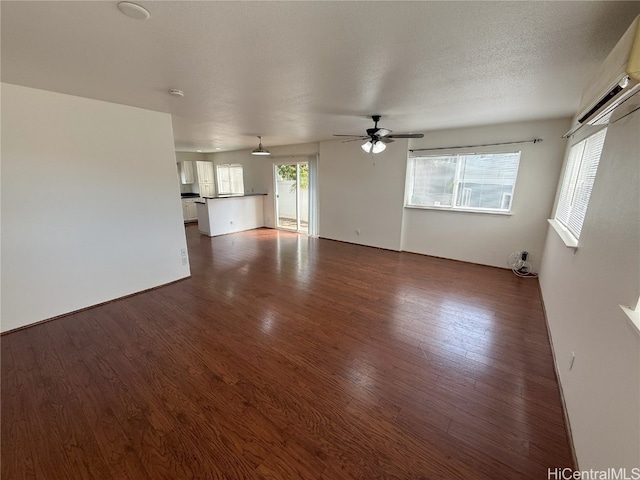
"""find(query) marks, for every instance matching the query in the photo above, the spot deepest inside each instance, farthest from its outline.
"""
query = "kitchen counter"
(233, 196)
(224, 214)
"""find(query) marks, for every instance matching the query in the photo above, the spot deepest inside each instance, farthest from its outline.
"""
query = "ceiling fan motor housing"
(381, 135)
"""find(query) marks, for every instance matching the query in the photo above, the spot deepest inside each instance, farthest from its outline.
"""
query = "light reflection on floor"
(451, 333)
(460, 325)
(268, 320)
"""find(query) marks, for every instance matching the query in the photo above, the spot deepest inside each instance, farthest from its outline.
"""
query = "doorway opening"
(292, 196)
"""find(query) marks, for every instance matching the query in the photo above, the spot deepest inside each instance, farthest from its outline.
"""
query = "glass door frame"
(276, 196)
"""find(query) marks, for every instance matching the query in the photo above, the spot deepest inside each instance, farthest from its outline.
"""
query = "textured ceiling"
(296, 72)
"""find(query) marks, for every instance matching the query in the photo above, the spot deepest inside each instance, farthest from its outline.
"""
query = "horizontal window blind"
(578, 181)
(570, 175)
(482, 182)
(432, 183)
(230, 179)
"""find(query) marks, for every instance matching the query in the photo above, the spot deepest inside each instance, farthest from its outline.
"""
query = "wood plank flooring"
(288, 357)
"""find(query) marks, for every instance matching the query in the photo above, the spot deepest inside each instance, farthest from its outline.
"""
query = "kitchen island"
(224, 214)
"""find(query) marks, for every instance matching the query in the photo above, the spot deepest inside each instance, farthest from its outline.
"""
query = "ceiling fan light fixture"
(374, 147)
(260, 150)
(378, 147)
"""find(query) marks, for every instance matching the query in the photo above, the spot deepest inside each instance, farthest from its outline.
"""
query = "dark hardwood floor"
(288, 357)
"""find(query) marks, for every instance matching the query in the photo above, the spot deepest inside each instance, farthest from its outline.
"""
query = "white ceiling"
(297, 72)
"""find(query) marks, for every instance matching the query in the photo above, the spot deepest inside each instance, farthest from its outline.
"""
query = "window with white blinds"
(471, 182)
(230, 179)
(577, 183)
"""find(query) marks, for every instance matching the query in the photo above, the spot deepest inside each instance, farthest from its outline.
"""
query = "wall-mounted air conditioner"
(617, 79)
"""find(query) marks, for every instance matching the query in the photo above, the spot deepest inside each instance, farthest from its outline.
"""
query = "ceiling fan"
(377, 138)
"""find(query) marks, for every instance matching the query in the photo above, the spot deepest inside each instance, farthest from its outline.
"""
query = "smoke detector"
(133, 10)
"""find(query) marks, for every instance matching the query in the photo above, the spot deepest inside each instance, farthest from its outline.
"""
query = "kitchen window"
(482, 182)
(230, 179)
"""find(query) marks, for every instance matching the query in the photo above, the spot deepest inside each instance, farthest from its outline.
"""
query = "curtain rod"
(535, 140)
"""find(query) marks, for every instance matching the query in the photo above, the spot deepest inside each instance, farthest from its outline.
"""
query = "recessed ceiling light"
(134, 10)
(176, 93)
(218, 148)
(199, 151)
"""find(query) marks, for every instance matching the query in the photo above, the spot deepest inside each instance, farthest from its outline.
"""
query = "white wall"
(189, 157)
(361, 192)
(258, 170)
(90, 204)
(355, 194)
(582, 291)
(489, 239)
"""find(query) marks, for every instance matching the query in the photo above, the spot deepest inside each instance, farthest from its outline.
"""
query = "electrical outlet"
(358, 231)
(183, 252)
(184, 260)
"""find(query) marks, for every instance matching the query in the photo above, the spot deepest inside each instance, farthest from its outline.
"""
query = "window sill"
(568, 239)
(460, 210)
(634, 317)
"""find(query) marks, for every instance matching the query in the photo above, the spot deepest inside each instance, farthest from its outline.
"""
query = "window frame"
(569, 186)
(456, 179)
(228, 167)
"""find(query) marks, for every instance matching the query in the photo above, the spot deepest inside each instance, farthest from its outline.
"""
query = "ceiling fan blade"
(359, 136)
(386, 140)
(379, 132)
(406, 135)
(354, 140)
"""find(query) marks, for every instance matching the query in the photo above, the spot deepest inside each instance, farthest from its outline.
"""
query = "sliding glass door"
(292, 196)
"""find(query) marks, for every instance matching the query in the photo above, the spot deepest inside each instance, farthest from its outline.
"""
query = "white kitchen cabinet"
(205, 172)
(207, 189)
(189, 209)
(187, 174)
(184, 211)
(192, 211)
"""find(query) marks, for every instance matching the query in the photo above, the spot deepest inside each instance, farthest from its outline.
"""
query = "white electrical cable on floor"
(520, 267)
